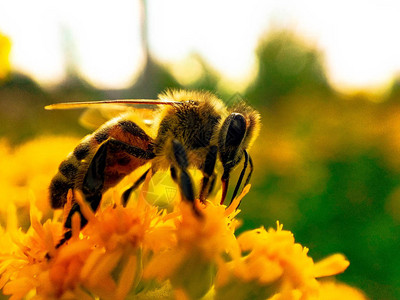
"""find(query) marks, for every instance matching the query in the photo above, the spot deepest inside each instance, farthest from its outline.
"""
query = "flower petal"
(331, 265)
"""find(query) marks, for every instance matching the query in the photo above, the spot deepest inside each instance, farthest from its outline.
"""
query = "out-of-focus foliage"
(21, 109)
(393, 94)
(153, 79)
(201, 75)
(332, 172)
(327, 165)
(286, 65)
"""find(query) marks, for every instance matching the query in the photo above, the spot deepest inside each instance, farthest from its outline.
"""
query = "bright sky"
(358, 38)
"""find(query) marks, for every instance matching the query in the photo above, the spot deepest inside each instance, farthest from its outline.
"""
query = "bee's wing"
(98, 113)
(73, 105)
(93, 117)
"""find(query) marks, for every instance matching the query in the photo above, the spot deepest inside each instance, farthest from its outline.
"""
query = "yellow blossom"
(5, 48)
(27, 171)
(272, 262)
(331, 290)
(141, 251)
(104, 259)
(205, 235)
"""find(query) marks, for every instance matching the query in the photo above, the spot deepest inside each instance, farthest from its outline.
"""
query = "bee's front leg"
(183, 178)
(208, 172)
(239, 182)
(231, 136)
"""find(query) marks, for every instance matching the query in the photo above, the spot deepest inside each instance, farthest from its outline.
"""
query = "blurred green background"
(327, 164)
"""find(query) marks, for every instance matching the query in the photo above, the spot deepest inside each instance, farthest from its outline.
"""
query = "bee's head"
(237, 133)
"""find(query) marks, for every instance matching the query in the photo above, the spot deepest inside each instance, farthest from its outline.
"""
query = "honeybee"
(189, 129)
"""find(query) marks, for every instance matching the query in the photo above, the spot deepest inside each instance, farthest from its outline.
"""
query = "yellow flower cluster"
(144, 252)
(26, 172)
(5, 48)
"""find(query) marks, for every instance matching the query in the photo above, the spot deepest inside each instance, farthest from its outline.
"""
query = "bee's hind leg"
(92, 186)
(93, 182)
(95, 201)
(126, 195)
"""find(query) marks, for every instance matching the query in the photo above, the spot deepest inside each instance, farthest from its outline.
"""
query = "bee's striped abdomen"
(65, 179)
(118, 163)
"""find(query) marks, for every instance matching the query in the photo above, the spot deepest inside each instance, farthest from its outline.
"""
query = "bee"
(189, 129)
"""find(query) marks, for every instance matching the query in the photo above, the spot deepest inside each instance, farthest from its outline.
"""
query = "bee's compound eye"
(236, 130)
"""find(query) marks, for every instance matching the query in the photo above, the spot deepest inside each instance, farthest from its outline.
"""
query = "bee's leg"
(239, 182)
(94, 202)
(174, 175)
(92, 186)
(66, 237)
(232, 133)
(93, 182)
(250, 173)
(212, 182)
(225, 184)
(128, 192)
(184, 180)
(208, 172)
(117, 145)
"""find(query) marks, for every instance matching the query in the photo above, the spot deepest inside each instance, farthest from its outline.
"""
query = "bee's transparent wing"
(94, 117)
(73, 105)
(98, 112)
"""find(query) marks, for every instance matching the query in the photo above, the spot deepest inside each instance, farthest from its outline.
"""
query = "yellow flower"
(186, 252)
(331, 290)
(5, 48)
(205, 236)
(104, 259)
(23, 262)
(27, 171)
(273, 263)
